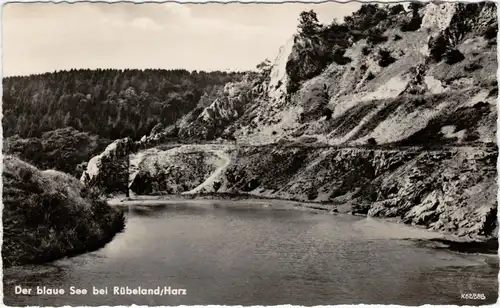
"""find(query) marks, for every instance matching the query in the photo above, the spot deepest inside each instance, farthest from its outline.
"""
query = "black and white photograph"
(249, 154)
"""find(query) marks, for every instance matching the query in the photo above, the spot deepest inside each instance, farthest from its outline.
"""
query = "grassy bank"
(49, 215)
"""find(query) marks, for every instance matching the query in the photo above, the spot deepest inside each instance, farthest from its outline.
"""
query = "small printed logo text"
(479, 296)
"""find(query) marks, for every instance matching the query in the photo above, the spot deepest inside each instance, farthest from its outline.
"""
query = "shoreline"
(466, 245)
(112, 230)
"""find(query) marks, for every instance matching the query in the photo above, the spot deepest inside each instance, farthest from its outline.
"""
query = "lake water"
(242, 254)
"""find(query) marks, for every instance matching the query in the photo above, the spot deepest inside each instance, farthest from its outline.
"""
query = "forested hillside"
(110, 103)
(58, 120)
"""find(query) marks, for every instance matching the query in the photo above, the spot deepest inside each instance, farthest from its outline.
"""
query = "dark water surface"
(232, 255)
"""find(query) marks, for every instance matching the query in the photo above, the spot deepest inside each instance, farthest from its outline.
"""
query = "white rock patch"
(435, 86)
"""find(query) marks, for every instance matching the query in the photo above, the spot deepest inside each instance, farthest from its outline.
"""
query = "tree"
(416, 19)
(396, 9)
(308, 23)
(104, 102)
(264, 67)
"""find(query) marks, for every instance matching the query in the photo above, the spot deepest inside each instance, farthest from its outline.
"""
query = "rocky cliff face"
(173, 171)
(450, 189)
(391, 114)
(109, 170)
(388, 82)
(211, 122)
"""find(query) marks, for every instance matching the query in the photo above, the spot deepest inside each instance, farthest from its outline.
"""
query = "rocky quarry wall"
(396, 123)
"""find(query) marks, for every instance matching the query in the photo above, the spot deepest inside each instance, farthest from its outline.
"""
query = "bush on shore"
(49, 215)
(62, 149)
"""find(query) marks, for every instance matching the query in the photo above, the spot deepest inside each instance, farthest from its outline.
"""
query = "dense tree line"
(60, 120)
(109, 103)
(61, 149)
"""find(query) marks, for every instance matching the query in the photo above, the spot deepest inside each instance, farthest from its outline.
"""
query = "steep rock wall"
(162, 172)
(108, 170)
(364, 75)
(451, 190)
(420, 79)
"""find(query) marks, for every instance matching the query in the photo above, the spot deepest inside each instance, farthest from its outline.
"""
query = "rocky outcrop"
(451, 190)
(438, 16)
(390, 114)
(308, 58)
(109, 169)
(212, 121)
(278, 77)
(456, 23)
(157, 172)
(352, 82)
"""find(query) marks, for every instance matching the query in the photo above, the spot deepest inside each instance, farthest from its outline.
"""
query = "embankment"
(49, 215)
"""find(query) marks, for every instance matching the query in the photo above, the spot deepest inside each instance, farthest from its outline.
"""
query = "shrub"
(473, 67)
(312, 195)
(490, 224)
(336, 34)
(308, 23)
(370, 76)
(385, 58)
(371, 141)
(337, 192)
(412, 25)
(419, 102)
(437, 48)
(376, 37)
(493, 92)
(416, 20)
(217, 185)
(396, 9)
(491, 32)
(480, 105)
(328, 113)
(250, 185)
(292, 87)
(230, 137)
(366, 50)
(52, 214)
(454, 56)
(397, 37)
(338, 57)
(367, 17)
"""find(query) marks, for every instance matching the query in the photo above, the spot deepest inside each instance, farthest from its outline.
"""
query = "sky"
(44, 37)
